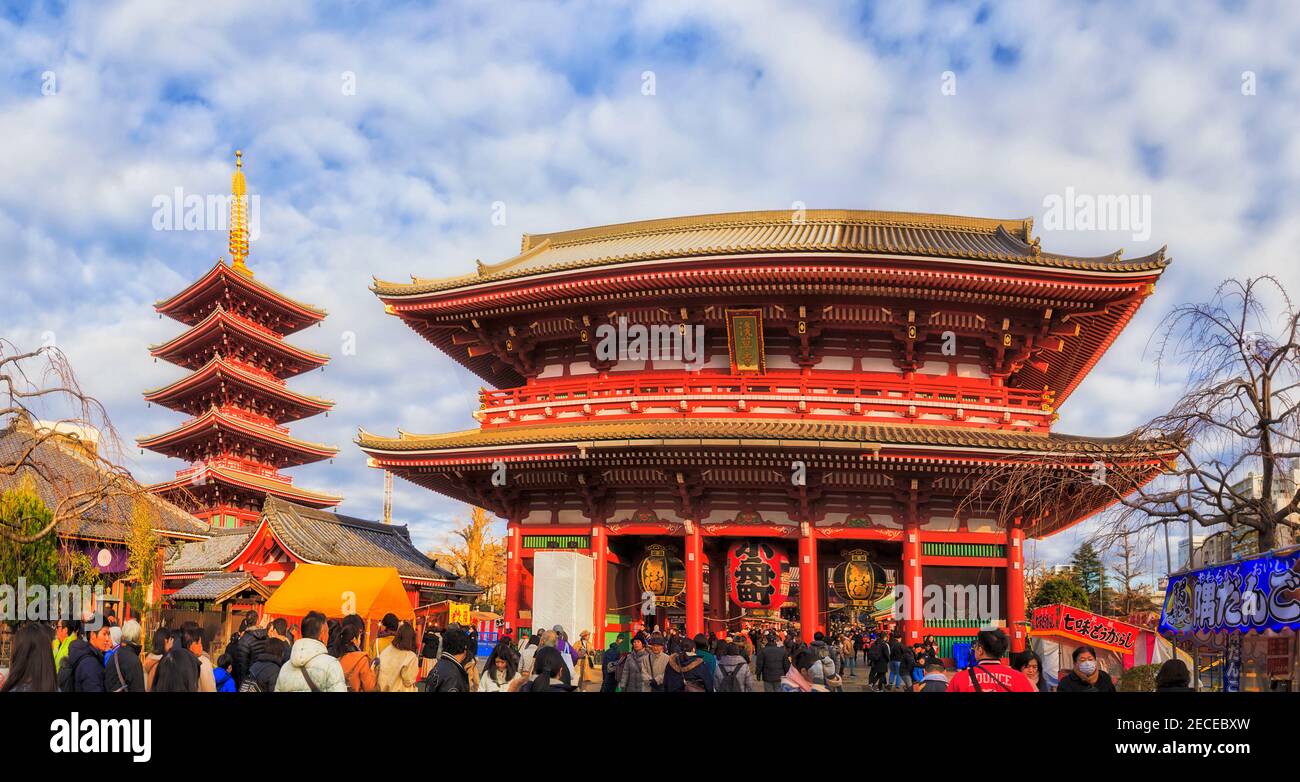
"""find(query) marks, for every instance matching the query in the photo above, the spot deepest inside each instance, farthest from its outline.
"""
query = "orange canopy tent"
(339, 590)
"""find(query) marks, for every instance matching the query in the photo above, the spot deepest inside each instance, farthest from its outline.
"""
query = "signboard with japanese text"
(1261, 593)
(745, 340)
(1084, 627)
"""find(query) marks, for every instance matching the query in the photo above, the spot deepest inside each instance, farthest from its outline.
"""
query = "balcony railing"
(235, 463)
(243, 415)
(953, 399)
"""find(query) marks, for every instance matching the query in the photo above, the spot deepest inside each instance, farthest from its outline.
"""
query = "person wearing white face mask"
(1087, 675)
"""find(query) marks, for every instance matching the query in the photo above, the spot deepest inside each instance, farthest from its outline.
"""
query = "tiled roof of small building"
(67, 469)
(209, 555)
(216, 586)
(334, 539)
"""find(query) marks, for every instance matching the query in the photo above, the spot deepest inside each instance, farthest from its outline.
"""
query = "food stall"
(1241, 620)
(1057, 630)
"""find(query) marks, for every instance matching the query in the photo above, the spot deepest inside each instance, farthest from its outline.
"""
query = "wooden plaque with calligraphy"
(745, 340)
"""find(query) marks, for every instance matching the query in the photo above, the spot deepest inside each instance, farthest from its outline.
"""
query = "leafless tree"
(40, 386)
(1236, 418)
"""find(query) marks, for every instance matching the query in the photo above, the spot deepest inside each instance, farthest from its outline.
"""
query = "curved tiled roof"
(215, 419)
(220, 319)
(223, 369)
(221, 276)
(778, 232)
(70, 470)
(207, 556)
(235, 477)
(220, 587)
(740, 432)
(333, 539)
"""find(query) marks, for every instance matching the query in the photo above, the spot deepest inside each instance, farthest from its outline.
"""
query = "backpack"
(730, 679)
(67, 677)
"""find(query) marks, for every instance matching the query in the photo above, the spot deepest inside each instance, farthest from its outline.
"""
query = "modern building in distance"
(858, 373)
(236, 439)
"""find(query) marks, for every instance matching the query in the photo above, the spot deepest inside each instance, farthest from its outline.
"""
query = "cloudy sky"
(379, 142)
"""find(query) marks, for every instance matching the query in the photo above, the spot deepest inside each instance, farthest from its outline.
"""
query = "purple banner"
(107, 559)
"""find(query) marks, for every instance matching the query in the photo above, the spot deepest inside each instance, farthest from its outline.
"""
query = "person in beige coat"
(399, 666)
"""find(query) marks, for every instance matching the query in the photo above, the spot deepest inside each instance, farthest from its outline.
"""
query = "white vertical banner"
(563, 591)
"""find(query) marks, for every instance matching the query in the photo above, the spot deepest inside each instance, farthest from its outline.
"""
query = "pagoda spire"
(239, 217)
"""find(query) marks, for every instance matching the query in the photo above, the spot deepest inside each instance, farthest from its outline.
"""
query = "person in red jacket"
(989, 673)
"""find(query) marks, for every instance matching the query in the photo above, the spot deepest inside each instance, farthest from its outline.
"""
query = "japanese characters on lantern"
(754, 573)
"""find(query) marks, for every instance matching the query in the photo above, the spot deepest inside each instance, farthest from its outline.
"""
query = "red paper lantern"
(754, 572)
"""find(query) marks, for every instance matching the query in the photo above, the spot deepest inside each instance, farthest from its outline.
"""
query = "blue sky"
(541, 106)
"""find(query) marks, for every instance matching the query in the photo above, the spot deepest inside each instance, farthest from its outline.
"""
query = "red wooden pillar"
(514, 569)
(913, 618)
(600, 560)
(1016, 585)
(807, 582)
(694, 579)
(718, 592)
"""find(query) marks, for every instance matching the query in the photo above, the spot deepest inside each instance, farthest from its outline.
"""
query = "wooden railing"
(235, 463)
(799, 395)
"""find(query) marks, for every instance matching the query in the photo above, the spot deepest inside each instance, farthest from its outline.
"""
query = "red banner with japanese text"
(1084, 627)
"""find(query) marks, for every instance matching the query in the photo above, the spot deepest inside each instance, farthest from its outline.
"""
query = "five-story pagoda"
(235, 392)
(861, 374)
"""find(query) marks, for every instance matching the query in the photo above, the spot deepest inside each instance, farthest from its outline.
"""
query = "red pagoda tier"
(857, 375)
(235, 394)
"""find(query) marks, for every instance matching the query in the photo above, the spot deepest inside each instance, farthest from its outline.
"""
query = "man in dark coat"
(83, 670)
(773, 663)
(878, 654)
(609, 668)
(123, 671)
(249, 647)
(687, 672)
(448, 674)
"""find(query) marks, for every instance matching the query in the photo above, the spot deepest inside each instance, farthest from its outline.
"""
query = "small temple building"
(69, 471)
(259, 557)
(236, 439)
(858, 374)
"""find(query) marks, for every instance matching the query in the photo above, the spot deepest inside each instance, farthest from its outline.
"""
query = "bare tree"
(40, 386)
(1236, 417)
(1129, 568)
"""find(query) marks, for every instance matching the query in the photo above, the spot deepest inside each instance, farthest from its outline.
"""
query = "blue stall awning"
(1248, 595)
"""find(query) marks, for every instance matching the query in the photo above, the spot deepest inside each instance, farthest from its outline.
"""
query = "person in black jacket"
(687, 672)
(1087, 675)
(609, 668)
(878, 655)
(773, 662)
(124, 672)
(265, 669)
(896, 660)
(252, 640)
(448, 674)
(83, 670)
(906, 662)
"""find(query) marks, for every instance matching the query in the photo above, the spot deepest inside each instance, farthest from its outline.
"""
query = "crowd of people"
(335, 655)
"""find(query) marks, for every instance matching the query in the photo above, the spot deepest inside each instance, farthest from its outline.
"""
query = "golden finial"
(239, 217)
